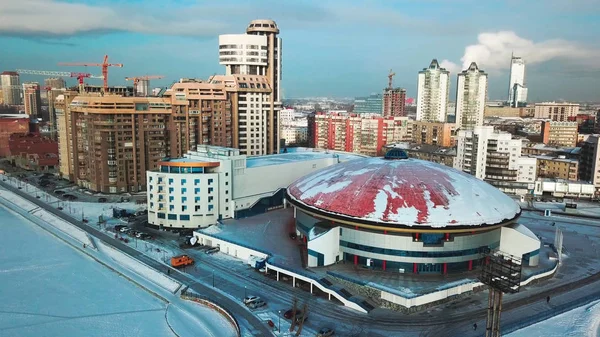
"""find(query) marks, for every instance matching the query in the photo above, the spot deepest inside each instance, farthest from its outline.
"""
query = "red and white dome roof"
(403, 192)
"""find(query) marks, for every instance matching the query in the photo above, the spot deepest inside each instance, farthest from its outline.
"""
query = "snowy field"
(580, 322)
(47, 288)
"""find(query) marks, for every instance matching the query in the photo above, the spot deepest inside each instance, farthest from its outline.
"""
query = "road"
(244, 317)
(237, 279)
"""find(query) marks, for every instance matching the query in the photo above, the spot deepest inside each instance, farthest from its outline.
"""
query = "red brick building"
(32, 151)
(10, 124)
(394, 101)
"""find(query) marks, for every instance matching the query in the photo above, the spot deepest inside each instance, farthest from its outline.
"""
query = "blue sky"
(331, 48)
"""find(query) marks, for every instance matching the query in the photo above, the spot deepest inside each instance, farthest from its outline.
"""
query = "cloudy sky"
(331, 48)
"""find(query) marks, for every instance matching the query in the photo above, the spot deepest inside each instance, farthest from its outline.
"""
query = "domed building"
(406, 215)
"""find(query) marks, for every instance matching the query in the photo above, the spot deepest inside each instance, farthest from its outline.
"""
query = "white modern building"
(295, 134)
(517, 91)
(495, 157)
(407, 216)
(432, 93)
(471, 95)
(214, 183)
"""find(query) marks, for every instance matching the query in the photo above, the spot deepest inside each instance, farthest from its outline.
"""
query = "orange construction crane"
(390, 75)
(137, 79)
(104, 66)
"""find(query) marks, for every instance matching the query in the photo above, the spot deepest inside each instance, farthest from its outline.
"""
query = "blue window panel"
(161, 215)
(196, 190)
(160, 198)
(210, 190)
(151, 195)
(210, 181)
(160, 189)
(160, 180)
(196, 181)
(183, 181)
(197, 199)
(184, 217)
(172, 216)
(183, 199)
(184, 190)
(210, 199)
(170, 181)
(425, 254)
(164, 169)
(150, 178)
(210, 207)
(184, 208)
(171, 189)
(151, 204)
(151, 187)
(171, 207)
(171, 198)
(432, 239)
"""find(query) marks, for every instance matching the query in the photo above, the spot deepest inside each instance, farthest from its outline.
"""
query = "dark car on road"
(326, 332)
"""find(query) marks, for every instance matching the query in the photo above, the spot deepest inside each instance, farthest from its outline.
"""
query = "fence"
(206, 301)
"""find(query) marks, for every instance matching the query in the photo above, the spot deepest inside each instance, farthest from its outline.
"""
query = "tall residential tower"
(517, 91)
(258, 52)
(432, 93)
(11, 90)
(471, 94)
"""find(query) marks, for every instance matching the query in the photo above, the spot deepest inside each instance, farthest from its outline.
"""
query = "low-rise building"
(214, 183)
(433, 133)
(502, 111)
(34, 152)
(561, 188)
(433, 153)
(558, 112)
(589, 162)
(9, 124)
(559, 133)
(557, 167)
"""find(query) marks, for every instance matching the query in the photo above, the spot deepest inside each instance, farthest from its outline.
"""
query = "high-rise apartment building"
(393, 102)
(32, 98)
(517, 91)
(589, 161)
(559, 133)
(471, 95)
(494, 157)
(55, 83)
(432, 93)
(558, 112)
(11, 88)
(257, 53)
(352, 133)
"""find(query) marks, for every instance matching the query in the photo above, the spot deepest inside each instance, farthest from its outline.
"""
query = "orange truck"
(181, 261)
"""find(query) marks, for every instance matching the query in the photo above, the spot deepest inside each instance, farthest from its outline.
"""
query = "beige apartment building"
(557, 167)
(433, 133)
(559, 112)
(502, 111)
(559, 133)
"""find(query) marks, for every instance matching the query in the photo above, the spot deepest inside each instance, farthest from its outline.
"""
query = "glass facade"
(372, 104)
(418, 254)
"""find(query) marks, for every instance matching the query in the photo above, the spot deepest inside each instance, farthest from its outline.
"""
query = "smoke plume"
(493, 50)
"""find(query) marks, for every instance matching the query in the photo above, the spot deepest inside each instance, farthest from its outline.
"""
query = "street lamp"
(213, 278)
(245, 289)
(279, 322)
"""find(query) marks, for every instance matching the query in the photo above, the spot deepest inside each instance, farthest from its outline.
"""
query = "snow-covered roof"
(405, 192)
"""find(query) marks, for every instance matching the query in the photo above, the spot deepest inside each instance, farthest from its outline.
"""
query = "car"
(102, 199)
(290, 313)
(249, 299)
(326, 332)
(59, 192)
(212, 250)
(145, 236)
(125, 229)
(257, 304)
(119, 227)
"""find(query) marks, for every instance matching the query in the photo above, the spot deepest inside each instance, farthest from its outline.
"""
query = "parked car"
(290, 313)
(212, 250)
(119, 227)
(257, 304)
(326, 332)
(125, 229)
(251, 298)
(145, 236)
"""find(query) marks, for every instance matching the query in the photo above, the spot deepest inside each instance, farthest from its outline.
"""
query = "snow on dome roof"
(408, 192)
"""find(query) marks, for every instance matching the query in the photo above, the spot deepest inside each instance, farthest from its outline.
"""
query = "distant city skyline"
(334, 48)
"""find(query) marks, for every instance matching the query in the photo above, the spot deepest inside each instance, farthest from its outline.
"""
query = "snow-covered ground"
(580, 322)
(47, 288)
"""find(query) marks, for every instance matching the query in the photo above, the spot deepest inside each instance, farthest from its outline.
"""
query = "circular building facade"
(399, 214)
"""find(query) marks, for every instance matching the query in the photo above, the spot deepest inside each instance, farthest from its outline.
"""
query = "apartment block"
(394, 102)
(589, 162)
(432, 93)
(32, 99)
(558, 112)
(471, 96)
(351, 133)
(433, 133)
(559, 133)
(496, 158)
(502, 111)
(557, 167)
(11, 88)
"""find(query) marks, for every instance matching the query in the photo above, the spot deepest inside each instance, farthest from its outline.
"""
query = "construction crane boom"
(104, 66)
(390, 76)
(80, 76)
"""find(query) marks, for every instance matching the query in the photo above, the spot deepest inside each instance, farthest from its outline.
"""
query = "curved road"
(256, 326)
(433, 324)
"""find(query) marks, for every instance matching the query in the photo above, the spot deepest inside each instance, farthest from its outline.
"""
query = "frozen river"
(47, 288)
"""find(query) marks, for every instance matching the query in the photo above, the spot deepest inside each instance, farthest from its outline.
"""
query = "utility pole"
(304, 316)
(294, 308)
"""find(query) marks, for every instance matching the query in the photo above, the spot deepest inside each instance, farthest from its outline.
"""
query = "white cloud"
(493, 50)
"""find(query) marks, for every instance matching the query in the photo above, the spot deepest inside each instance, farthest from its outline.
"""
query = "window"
(151, 204)
(172, 216)
(197, 208)
(210, 181)
(185, 217)
(196, 190)
(170, 181)
(159, 180)
(183, 208)
(171, 198)
(210, 199)
(183, 181)
(210, 207)
(183, 190)
(171, 189)
(197, 199)
(183, 199)
(196, 181)
(171, 207)
(210, 190)
(161, 215)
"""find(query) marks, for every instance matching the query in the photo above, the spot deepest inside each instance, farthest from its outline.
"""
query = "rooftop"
(295, 156)
(402, 193)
